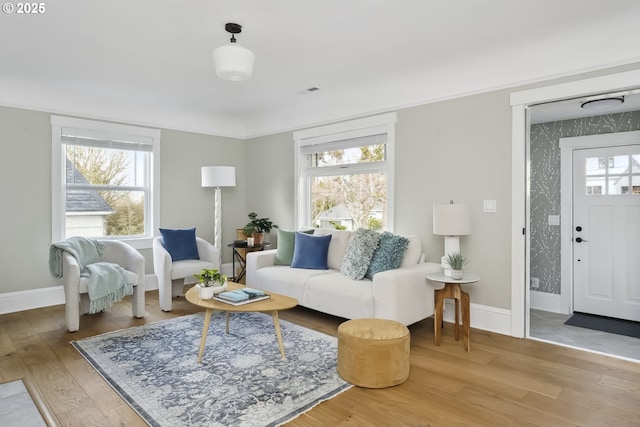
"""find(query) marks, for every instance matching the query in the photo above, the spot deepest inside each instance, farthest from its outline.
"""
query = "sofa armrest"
(257, 260)
(404, 293)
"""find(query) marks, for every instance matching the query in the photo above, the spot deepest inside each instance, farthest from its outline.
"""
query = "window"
(345, 174)
(611, 175)
(104, 180)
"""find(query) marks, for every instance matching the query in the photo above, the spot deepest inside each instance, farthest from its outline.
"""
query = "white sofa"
(402, 294)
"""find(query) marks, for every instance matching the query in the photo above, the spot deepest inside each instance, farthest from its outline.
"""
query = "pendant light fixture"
(233, 62)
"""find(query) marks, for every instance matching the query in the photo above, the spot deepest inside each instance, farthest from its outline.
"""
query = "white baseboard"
(483, 317)
(12, 302)
(546, 301)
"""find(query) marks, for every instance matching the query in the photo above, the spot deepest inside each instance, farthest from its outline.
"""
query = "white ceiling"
(149, 61)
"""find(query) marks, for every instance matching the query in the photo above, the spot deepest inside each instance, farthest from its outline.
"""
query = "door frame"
(520, 178)
(567, 147)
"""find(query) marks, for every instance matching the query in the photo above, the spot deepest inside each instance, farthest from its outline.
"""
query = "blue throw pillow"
(310, 251)
(389, 254)
(180, 243)
(286, 244)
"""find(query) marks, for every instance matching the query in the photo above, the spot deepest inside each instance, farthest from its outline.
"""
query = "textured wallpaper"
(545, 186)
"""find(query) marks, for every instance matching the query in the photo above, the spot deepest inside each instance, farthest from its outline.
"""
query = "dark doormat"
(605, 324)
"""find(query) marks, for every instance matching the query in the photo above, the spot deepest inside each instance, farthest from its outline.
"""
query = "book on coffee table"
(241, 296)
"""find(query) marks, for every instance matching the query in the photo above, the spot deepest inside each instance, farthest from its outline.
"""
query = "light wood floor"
(502, 381)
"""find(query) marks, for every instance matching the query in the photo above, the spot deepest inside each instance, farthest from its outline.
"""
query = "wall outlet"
(535, 282)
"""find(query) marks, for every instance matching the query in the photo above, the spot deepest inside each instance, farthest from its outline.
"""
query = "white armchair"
(171, 274)
(75, 287)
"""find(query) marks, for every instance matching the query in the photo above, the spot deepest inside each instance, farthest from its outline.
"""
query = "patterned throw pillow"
(389, 254)
(359, 251)
(310, 251)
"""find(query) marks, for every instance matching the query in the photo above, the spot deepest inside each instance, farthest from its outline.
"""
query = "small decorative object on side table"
(453, 290)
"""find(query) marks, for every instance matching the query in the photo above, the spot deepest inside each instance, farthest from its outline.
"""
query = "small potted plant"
(210, 282)
(258, 227)
(456, 261)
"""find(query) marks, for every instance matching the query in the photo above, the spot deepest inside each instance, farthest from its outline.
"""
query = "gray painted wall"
(25, 173)
(545, 186)
(458, 149)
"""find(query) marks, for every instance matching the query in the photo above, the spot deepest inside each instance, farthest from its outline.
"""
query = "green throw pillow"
(286, 246)
(389, 254)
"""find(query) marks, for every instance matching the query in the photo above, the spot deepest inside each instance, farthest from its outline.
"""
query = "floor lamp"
(218, 176)
(451, 221)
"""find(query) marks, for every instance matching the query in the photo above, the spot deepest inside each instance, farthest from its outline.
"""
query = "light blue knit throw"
(107, 282)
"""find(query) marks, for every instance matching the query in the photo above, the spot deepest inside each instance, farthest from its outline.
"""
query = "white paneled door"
(606, 231)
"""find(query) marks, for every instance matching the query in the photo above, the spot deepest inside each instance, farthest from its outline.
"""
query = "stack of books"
(241, 296)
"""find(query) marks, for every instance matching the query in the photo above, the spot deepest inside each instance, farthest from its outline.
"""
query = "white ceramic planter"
(208, 292)
(205, 292)
(218, 289)
(456, 274)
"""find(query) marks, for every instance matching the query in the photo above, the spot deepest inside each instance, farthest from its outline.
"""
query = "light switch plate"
(490, 206)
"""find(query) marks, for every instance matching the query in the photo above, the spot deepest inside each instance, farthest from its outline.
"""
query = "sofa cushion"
(285, 280)
(413, 252)
(286, 245)
(310, 251)
(180, 243)
(336, 294)
(337, 247)
(389, 254)
(359, 251)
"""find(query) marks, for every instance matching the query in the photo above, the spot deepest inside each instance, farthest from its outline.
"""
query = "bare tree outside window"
(362, 195)
(113, 169)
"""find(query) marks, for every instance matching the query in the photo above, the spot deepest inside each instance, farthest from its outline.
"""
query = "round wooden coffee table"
(272, 305)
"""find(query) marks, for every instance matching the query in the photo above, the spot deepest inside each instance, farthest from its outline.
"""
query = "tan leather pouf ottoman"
(373, 353)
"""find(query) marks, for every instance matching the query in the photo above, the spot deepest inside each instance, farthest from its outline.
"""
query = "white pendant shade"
(233, 62)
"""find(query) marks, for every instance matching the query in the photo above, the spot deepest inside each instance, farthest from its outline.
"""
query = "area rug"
(605, 324)
(242, 380)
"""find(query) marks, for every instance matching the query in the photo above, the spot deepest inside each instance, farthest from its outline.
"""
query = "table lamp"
(451, 221)
(218, 176)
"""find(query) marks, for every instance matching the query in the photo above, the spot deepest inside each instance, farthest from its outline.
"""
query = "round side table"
(453, 290)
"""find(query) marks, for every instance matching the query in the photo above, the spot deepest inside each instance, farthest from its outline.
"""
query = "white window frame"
(106, 131)
(331, 134)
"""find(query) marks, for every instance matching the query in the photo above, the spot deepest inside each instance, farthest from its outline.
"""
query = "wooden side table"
(453, 290)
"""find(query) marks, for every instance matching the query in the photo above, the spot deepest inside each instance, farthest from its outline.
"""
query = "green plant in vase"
(210, 282)
(257, 227)
(210, 277)
(457, 262)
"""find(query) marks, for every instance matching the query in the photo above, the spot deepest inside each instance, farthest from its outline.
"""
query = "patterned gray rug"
(242, 380)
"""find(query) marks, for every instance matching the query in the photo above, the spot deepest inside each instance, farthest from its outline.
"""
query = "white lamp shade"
(218, 176)
(233, 62)
(451, 219)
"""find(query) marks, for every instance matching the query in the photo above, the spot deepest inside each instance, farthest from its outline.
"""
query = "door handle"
(580, 240)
